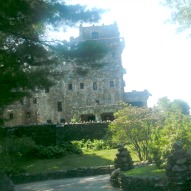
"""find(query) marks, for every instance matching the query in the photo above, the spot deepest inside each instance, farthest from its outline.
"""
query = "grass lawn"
(150, 170)
(88, 159)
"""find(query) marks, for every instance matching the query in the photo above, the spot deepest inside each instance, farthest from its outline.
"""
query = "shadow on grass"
(66, 163)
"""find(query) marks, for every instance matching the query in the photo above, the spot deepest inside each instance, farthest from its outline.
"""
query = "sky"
(155, 57)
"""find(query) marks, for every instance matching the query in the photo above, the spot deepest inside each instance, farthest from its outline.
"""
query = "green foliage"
(92, 145)
(176, 126)
(48, 152)
(71, 147)
(134, 126)
(180, 12)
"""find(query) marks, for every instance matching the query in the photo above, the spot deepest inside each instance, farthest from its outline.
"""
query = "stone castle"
(94, 96)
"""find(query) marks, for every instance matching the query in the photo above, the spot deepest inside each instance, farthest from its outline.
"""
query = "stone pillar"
(178, 169)
(123, 159)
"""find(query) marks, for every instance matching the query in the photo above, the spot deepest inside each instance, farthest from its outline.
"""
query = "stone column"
(123, 159)
(178, 169)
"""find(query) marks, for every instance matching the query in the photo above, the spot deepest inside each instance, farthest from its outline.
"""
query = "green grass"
(88, 159)
(150, 170)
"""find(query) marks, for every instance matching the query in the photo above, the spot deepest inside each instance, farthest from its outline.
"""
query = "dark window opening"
(95, 35)
(11, 116)
(69, 86)
(47, 90)
(111, 84)
(107, 116)
(22, 102)
(97, 101)
(35, 100)
(28, 114)
(88, 117)
(94, 85)
(81, 85)
(59, 104)
(62, 120)
(49, 121)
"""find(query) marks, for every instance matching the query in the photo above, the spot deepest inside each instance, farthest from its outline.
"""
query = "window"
(35, 100)
(62, 120)
(70, 86)
(47, 90)
(28, 114)
(95, 35)
(11, 116)
(111, 84)
(49, 121)
(81, 85)
(94, 85)
(59, 106)
(97, 101)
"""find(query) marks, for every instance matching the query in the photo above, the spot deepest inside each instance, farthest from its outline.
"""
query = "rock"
(115, 173)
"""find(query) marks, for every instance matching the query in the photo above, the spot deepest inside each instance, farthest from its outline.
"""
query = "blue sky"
(156, 58)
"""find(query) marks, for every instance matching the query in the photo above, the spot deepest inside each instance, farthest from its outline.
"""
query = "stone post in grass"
(178, 169)
(123, 159)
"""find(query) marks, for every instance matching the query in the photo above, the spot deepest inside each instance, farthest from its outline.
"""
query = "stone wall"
(79, 172)
(55, 134)
(130, 183)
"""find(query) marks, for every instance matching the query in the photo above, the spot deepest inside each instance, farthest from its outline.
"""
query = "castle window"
(49, 121)
(47, 90)
(35, 100)
(11, 116)
(70, 86)
(112, 84)
(97, 101)
(28, 114)
(62, 120)
(95, 35)
(59, 104)
(94, 85)
(81, 85)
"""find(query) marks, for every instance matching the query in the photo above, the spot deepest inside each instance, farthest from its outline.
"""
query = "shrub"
(71, 147)
(92, 145)
(48, 152)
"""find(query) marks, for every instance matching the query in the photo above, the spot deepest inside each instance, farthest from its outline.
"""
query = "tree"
(181, 12)
(133, 126)
(175, 126)
(165, 105)
(27, 58)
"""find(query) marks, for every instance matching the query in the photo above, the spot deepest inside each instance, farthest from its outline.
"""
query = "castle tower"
(94, 94)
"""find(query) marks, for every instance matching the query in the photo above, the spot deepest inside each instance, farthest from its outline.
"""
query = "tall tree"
(134, 126)
(26, 56)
